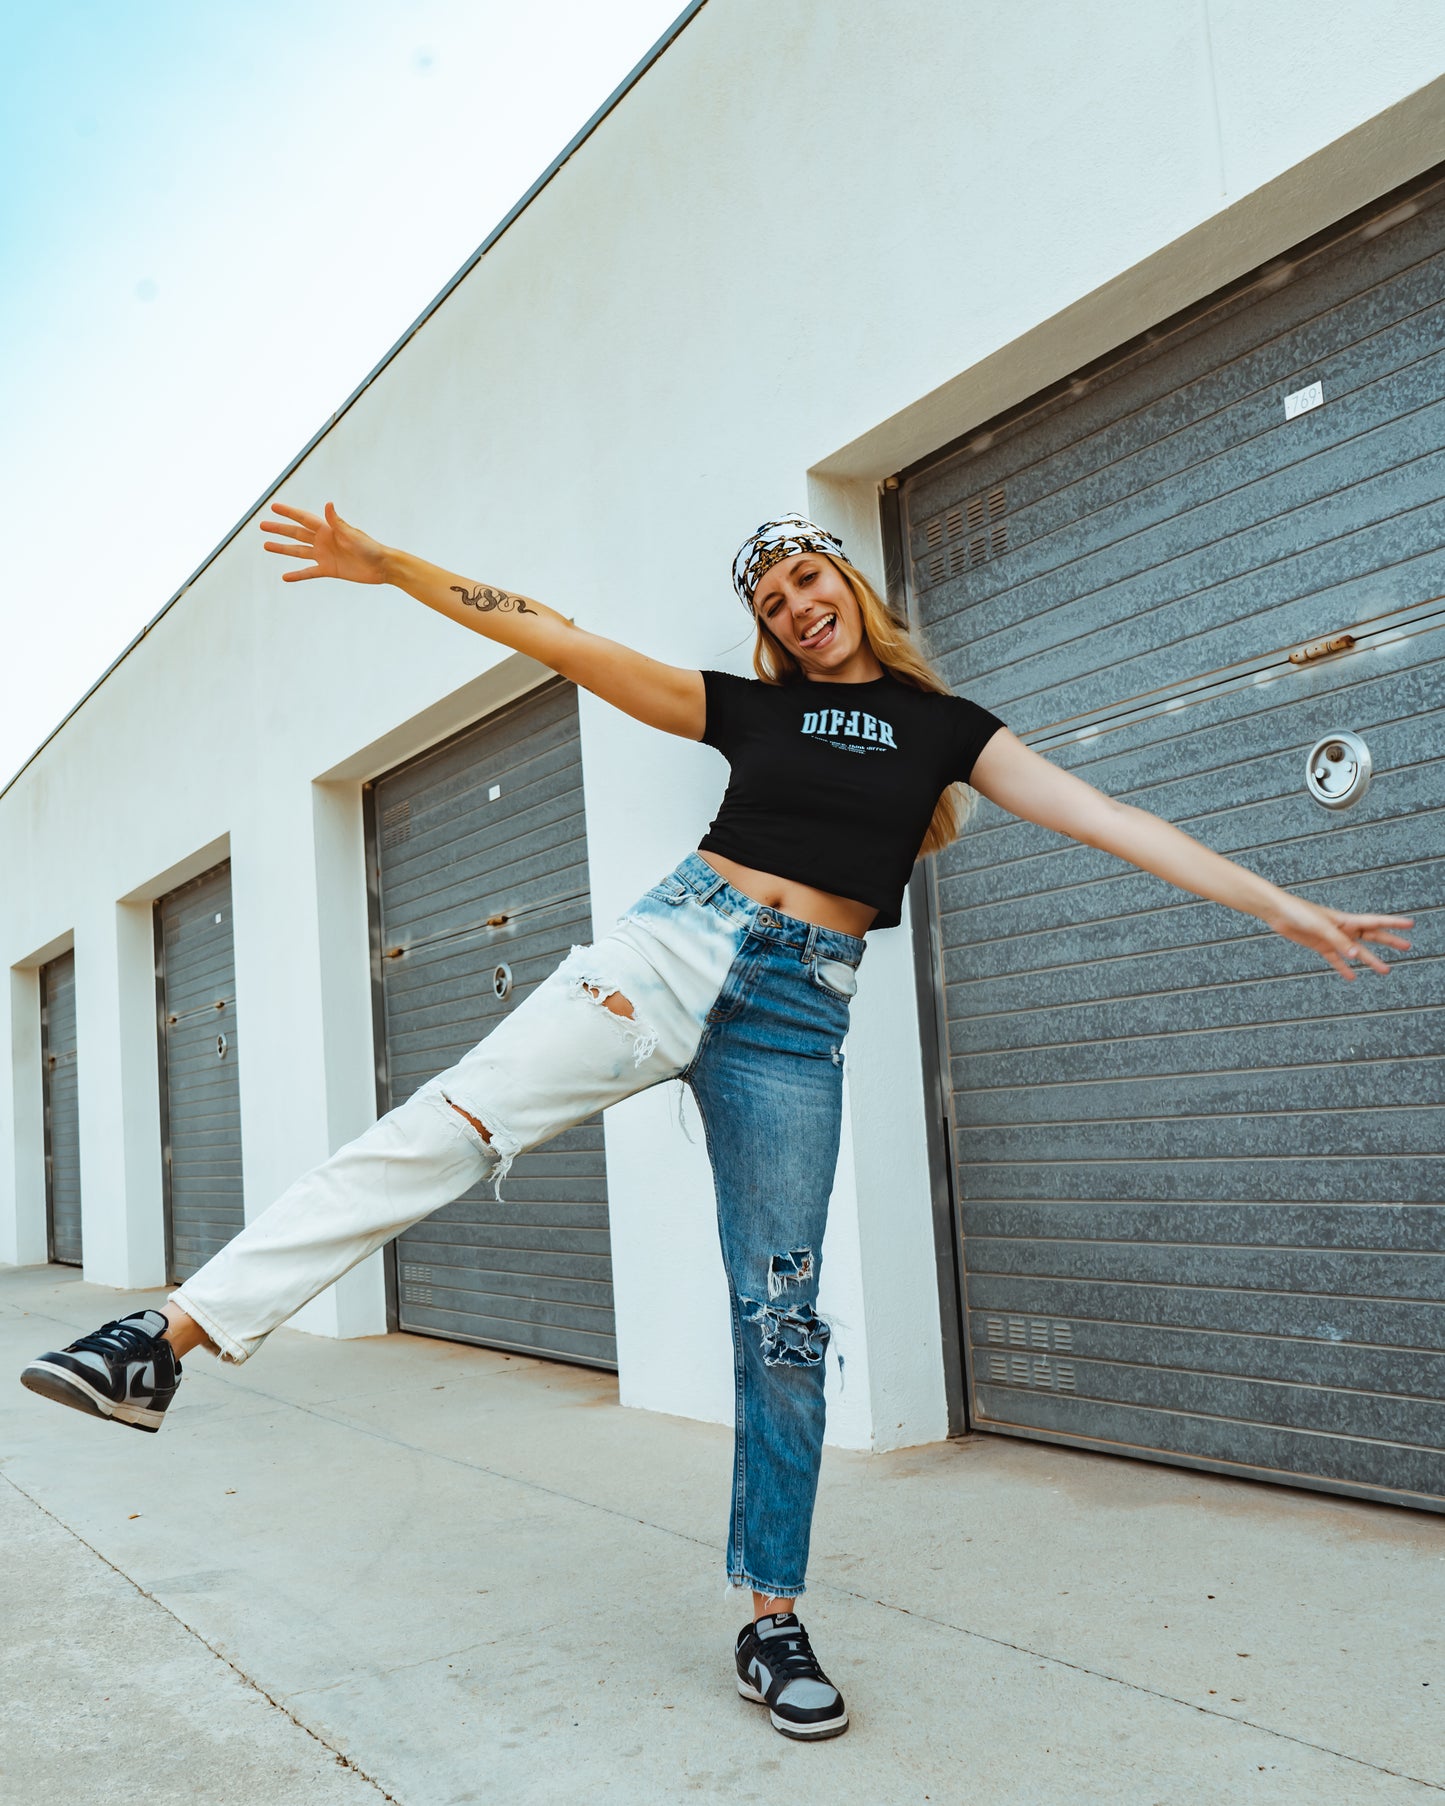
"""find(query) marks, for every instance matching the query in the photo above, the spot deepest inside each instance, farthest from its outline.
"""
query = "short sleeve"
(974, 727)
(727, 697)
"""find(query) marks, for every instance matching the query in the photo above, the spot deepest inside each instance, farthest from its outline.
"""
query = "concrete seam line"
(823, 1586)
(832, 1586)
(341, 1757)
(1173, 1699)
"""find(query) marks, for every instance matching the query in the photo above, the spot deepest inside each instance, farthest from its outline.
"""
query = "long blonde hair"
(894, 648)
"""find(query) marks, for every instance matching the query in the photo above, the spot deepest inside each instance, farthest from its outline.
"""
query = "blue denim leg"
(768, 1079)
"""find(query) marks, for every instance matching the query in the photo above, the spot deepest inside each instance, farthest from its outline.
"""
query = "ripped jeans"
(747, 1006)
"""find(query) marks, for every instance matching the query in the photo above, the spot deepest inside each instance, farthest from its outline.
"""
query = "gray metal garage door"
(62, 1109)
(200, 1087)
(1197, 1174)
(481, 858)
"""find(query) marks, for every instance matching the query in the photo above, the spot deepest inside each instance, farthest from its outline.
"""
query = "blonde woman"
(733, 972)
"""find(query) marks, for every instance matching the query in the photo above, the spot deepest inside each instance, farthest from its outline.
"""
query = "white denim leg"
(563, 1054)
(415, 1159)
(558, 1058)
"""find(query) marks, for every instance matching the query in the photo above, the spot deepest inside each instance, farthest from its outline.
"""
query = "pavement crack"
(247, 1680)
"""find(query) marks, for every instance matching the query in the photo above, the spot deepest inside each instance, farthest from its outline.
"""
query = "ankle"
(183, 1332)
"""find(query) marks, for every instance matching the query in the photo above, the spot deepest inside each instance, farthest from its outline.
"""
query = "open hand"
(1335, 933)
(340, 550)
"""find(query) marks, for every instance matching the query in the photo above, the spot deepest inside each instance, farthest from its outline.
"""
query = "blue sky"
(213, 221)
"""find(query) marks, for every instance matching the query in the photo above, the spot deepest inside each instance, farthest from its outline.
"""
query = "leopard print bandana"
(777, 539)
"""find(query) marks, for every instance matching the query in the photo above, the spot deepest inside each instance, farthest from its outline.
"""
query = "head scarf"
(774, 540)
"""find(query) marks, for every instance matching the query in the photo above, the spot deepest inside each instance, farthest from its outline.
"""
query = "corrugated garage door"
(62, 1109)
(200, 1086)
(481, 858)
(1198, 1174)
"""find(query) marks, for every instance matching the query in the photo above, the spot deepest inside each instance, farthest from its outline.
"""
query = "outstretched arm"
(664, 696)
(1021, 780)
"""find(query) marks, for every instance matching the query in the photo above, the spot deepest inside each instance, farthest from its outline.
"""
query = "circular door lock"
(502, 980)
(1337, 771)
(222, 1044)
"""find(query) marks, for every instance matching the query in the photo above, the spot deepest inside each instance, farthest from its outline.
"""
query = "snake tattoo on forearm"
(485, 599)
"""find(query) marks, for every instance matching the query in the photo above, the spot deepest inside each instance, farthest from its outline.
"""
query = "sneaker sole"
(828, 1727)
(65, 1388)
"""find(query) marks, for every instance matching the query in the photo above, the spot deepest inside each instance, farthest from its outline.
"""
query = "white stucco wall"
(815, 241)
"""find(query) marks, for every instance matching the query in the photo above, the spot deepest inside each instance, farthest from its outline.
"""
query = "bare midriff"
(845, 914)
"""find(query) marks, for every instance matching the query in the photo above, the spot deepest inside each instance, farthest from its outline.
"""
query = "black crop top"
(834, 785)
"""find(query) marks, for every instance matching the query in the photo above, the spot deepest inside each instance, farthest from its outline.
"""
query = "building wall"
(814, 242)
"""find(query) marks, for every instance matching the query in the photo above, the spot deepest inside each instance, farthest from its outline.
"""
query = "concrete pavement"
(400, 1568)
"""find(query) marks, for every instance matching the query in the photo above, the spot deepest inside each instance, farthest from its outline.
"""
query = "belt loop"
(704, 888)
(809, 943)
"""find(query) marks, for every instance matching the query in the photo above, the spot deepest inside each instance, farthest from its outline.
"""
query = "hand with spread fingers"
(665, 696)
(1335, 933)
(339, 549)
(1020, 779)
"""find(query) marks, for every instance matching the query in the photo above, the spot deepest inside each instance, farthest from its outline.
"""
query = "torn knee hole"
(791, 1269)
(793, 1338)
(614, 1001)
(481, 1128)
(577, 969)
(502, 1144)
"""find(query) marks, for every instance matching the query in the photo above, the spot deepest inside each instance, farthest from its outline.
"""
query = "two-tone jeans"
(747, 1006)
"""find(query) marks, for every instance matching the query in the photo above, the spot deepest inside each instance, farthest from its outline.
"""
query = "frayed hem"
(227, 1348)
(745, 1584)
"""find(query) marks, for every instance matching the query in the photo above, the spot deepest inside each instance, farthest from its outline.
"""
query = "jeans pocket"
(670, 890)
(835, 976)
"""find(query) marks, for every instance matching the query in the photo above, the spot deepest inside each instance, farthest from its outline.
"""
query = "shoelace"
(116, 1338)
(789, 1657)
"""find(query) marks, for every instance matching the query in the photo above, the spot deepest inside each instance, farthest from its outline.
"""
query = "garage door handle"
(1337, 771)
(1339, 642)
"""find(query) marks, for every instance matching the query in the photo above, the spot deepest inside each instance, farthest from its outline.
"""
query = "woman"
(733, 973)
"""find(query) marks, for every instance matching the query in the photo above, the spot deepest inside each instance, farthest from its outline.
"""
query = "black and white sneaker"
(777, 1668)
(124, 1370)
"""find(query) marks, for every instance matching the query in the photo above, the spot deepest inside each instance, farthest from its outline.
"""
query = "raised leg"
(577, 1043)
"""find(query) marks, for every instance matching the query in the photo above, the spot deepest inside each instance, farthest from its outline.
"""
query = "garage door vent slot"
(396, 824)
(967, 535)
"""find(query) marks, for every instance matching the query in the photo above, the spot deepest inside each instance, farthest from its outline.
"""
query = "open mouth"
(820, 632)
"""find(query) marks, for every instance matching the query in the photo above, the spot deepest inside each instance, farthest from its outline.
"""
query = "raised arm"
(1021, 780)
(669, 697)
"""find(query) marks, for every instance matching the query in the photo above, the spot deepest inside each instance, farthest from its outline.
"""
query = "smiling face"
(806, 605)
